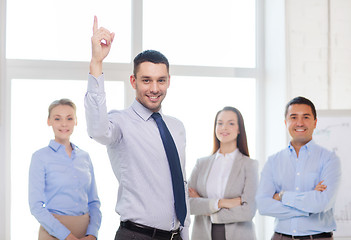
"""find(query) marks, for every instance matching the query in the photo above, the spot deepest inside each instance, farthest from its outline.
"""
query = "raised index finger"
(95, 26)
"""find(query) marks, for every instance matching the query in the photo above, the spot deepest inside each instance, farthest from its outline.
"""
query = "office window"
(208, 33)
(29, 130)
(61, 30)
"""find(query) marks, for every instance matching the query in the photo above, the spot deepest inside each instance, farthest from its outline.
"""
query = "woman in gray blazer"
(222, 186)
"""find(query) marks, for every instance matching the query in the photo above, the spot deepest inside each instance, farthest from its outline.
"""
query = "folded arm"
(266, 204)
(315, 201)
(199, 205)
(243, 208)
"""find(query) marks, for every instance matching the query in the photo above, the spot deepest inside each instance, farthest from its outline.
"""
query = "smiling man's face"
(151, 83)
(300, 123)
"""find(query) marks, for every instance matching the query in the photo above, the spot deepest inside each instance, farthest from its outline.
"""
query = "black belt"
(152, 232)
(315, 236)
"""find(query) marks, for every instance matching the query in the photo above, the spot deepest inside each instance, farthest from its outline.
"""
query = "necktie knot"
(156, 116)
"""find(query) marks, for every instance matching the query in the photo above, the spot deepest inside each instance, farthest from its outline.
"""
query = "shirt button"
(294, 231)
(297, 188)
(298, 174)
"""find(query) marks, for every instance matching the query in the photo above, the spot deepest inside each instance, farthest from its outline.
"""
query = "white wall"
(318, 51)
(340, 59)
(307, 49)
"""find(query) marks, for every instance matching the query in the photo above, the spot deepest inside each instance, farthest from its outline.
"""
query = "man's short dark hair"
(301, 100)
(150, 56)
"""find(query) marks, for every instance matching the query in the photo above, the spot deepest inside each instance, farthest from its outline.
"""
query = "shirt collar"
(231, 155)
(308, 146)
(142, 111)
(56, 146)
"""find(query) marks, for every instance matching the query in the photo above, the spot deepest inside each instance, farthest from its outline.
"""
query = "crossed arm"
(298, 203)
(229, 210)
(222, 203)
(320, 187)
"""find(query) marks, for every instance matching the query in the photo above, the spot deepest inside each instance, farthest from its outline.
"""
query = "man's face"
(151, 83)
(300, 123)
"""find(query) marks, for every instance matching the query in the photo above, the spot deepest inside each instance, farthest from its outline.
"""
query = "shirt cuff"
(61, 232)
(96, 85)
(214, 218)
(92, 230)
(215, 205)
(214, 209)
(288, 199)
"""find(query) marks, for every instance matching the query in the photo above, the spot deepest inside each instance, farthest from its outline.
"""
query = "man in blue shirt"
(299, 184)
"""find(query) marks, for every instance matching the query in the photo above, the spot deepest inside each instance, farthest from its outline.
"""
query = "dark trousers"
(218, 232)
(278, 236)
(126, 234)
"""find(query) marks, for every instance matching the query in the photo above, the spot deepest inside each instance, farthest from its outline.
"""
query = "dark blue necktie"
(174, 165)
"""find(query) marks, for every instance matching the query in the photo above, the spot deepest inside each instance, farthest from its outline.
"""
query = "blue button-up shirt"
(303, 210)
(63, 185)
(138, 158)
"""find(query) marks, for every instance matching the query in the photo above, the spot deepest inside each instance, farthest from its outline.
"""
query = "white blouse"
(219, 174)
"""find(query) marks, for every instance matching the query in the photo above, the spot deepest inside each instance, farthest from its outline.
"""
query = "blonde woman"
(62, 189)
(222, 186)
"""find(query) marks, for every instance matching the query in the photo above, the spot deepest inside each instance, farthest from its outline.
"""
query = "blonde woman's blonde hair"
(63, 101)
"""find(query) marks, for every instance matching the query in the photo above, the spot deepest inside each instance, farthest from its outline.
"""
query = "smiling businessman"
(299, 184)
(146, 148)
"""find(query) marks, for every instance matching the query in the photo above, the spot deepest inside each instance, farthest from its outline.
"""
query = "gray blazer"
(242, 182)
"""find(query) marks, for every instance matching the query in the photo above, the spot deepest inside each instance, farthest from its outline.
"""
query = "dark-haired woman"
(222, 186)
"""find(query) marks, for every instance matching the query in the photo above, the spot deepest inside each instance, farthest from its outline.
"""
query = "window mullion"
(137, 27)
(206, 71)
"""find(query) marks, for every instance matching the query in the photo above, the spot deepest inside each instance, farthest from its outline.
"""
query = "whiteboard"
(334, 133)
